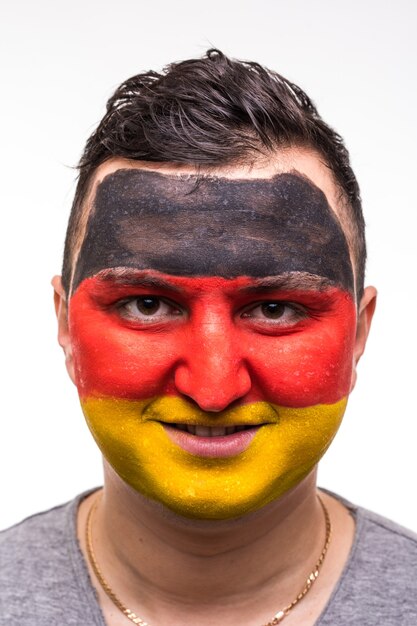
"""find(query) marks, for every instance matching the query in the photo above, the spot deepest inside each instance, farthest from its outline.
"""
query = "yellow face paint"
(283, 451)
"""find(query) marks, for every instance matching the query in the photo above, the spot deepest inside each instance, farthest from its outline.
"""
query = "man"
(212, 314)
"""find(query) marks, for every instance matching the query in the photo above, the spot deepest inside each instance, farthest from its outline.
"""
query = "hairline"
(340, 211)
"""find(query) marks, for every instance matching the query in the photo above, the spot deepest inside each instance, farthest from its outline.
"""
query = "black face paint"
(183, 226)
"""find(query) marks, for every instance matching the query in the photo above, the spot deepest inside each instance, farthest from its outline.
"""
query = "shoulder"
(24, 544)
(35, 523)
(381, 542)
(379, 583)
(381, 527)
(378, 533)
(42, 567)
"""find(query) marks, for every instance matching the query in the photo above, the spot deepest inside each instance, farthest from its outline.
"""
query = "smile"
(211, 441)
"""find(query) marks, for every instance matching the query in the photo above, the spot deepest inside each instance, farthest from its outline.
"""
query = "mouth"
(212, 441)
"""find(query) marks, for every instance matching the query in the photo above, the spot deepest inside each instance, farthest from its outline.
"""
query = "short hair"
(214, 111)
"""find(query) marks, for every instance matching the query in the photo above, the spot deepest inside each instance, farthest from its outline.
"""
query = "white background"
(62, 60)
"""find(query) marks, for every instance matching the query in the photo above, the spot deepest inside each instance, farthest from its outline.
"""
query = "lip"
(214, 447)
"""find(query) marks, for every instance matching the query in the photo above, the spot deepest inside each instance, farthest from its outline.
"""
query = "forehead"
(188, 225)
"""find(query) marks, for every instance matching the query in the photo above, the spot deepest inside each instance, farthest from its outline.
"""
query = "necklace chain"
(278, 617)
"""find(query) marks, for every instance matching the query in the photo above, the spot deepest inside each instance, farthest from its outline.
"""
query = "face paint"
(283, 451)
(158, 355)
(213, 227)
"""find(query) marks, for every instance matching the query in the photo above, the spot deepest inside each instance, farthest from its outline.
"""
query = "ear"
(365, 315)
(64, 340)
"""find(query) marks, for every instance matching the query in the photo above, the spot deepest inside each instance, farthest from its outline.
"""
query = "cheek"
(111, 360)
(311, 367)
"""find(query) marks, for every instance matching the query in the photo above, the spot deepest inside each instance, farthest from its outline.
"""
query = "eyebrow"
(126, 276)
(289, 281)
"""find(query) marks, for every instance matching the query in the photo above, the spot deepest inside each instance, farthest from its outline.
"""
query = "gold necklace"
(278, 617)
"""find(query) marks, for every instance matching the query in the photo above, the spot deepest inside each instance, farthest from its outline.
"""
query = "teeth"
(210, 431)
(218, 431)
(203, 431)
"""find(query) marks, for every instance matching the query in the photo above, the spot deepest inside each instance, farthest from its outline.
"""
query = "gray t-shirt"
(44, 580)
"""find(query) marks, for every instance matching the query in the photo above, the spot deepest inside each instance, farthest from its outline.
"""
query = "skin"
(239, 383)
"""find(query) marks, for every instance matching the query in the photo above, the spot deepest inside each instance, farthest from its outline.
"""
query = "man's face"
(212, 325)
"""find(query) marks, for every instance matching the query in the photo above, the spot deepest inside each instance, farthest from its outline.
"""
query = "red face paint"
(214, 343)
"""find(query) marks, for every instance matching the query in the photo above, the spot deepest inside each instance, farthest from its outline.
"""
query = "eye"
(148, 309)
(277, 313)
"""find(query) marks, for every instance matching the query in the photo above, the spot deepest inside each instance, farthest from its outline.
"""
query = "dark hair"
(213, 111)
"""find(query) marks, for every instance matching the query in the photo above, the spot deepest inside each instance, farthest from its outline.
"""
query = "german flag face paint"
(213, 326)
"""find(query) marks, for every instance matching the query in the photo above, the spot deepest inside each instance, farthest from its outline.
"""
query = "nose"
(213, 372)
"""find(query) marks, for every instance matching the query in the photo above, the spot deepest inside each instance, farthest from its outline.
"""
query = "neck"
(152, 558)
